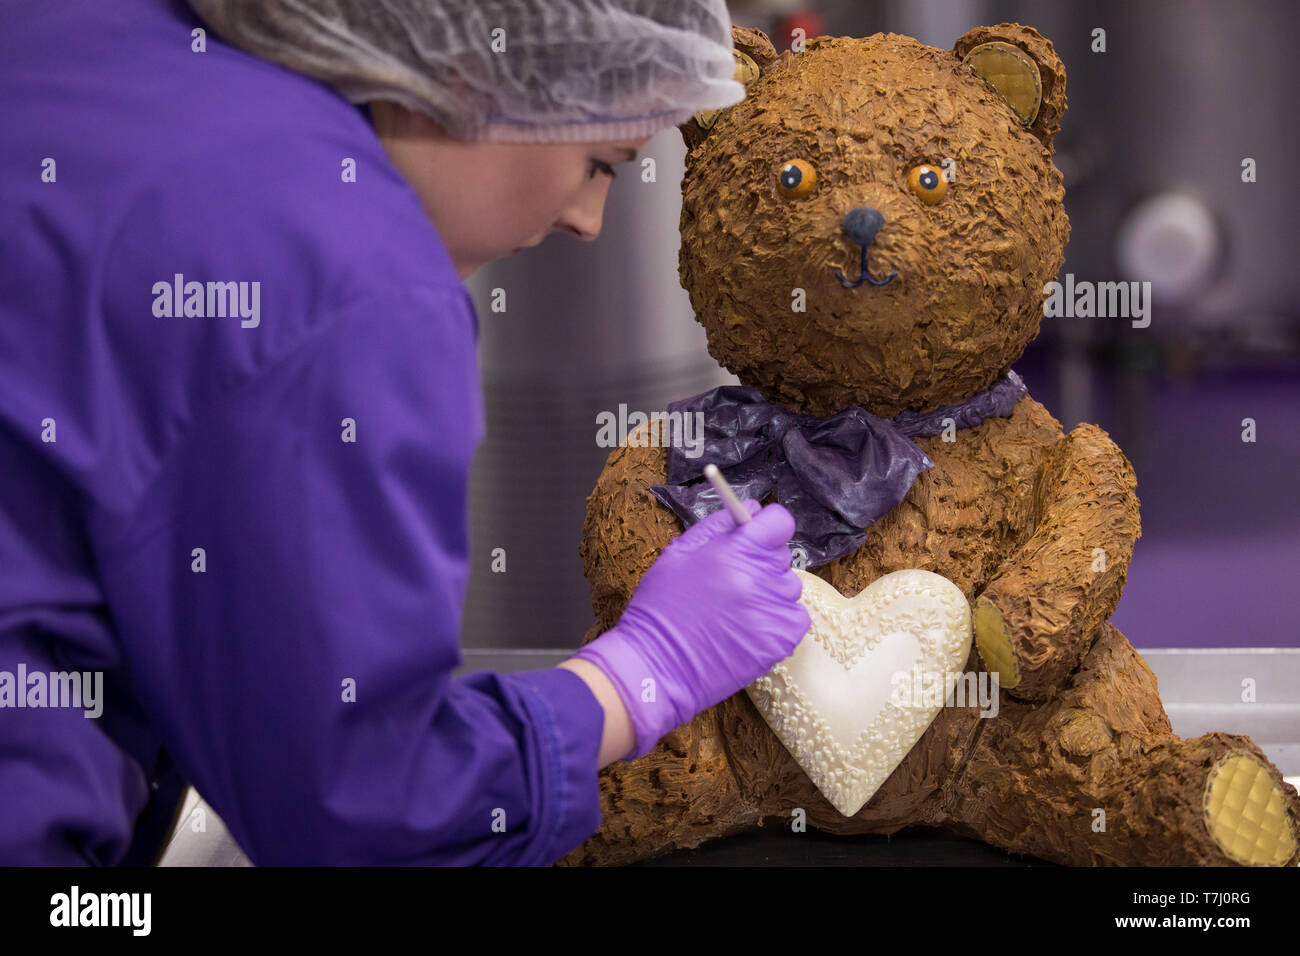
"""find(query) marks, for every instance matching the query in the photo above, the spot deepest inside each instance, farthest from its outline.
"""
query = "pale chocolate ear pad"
(746, 73)
(1011, 73)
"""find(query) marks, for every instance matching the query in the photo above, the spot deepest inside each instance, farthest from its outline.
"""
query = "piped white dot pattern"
(827, 701)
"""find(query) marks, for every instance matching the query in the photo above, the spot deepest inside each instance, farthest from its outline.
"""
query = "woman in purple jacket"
(239, 396)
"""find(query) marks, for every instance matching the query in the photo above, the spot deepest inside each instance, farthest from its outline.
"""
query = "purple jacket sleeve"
(289, 598)
(68, 792)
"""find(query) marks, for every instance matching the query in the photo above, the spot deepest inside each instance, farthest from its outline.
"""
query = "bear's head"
(874, 223)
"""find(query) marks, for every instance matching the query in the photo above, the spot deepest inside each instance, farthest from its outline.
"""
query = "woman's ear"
(754, 55)
(1021, 66)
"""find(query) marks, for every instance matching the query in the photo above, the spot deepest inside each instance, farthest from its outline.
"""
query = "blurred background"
(1151, 149)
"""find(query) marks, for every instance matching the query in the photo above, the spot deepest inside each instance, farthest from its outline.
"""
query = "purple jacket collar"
(836, 475)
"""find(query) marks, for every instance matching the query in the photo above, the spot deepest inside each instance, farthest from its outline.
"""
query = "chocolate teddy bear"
(871, 230)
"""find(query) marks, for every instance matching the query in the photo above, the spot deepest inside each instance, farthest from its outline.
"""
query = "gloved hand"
(716, 611)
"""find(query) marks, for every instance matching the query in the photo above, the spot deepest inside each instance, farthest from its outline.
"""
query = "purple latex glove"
(717, 610)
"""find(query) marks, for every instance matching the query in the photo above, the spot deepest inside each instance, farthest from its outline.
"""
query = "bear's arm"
(1040, 611)
(626, 527)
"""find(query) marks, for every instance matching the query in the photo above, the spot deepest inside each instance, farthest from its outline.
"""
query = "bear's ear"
(754, 54)
(1021, 66)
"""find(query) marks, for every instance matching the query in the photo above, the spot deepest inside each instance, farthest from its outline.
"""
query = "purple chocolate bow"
(836, 475)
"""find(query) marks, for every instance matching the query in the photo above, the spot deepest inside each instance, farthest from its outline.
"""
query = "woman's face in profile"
(487, 200)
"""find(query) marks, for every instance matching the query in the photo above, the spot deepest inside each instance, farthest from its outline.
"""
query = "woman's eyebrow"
(629, 154)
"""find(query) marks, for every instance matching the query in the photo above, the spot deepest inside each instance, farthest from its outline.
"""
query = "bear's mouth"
(866, 274)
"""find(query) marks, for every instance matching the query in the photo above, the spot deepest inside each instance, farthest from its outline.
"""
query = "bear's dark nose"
(862, 224)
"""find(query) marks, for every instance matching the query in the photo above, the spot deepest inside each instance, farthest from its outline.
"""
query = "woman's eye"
(796, 179)
(927, 183)
(596, 164)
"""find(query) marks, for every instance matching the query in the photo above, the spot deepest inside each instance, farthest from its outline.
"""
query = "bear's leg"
(1095, 775)
(677, 796)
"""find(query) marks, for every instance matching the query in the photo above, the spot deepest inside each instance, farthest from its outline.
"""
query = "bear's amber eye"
(928, 184)
(796, 179)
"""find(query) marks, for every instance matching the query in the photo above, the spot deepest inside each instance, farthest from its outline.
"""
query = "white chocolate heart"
(837, 703)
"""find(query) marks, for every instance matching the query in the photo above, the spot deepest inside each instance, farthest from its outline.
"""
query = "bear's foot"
(1246, 811)
(1095, 776)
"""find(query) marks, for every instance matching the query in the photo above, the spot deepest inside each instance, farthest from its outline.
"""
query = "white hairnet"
(504, 70)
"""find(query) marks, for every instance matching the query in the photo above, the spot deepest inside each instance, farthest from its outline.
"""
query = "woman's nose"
(576, 231)
(584, 227)
(585, 216)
